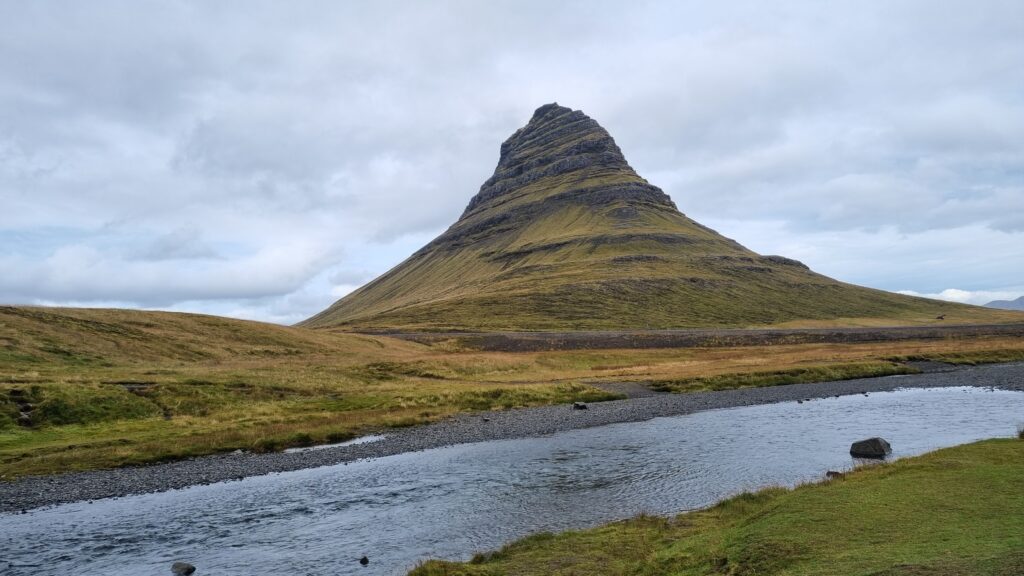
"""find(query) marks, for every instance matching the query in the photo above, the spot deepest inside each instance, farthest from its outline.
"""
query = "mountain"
(566, 236)
(1017, 304)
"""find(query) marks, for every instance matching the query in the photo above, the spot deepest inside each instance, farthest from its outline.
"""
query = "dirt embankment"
(700, 338)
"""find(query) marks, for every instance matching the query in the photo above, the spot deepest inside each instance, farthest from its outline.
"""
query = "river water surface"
(451, 502)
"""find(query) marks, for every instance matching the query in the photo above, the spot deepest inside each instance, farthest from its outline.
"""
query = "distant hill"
(1017, 304)
(96, 337)
(566, 236)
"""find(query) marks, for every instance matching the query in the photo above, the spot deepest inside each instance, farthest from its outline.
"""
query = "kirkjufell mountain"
(567, 236)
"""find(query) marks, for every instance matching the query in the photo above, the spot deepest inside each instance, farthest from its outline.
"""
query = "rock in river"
(870, 448)
(182, 569)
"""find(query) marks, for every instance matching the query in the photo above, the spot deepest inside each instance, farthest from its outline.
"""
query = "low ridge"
(1017, 304)
(566, 236)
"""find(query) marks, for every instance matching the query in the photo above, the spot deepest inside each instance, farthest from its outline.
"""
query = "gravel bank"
(35, 492)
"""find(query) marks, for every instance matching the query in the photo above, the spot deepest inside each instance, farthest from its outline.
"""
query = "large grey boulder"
(870, 448)
(182, 569)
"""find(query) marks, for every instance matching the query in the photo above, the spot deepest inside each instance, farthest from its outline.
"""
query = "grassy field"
(110, 387)
(105, 388)
(955, 512)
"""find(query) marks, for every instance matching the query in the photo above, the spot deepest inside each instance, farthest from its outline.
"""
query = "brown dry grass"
(115, 387)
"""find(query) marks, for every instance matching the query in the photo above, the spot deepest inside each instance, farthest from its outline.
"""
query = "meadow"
(85, 389)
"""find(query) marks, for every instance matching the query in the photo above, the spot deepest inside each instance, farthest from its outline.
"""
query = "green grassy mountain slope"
(566, 236)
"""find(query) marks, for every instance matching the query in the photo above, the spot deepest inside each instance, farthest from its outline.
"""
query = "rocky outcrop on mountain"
(558, 141)
(565, 235)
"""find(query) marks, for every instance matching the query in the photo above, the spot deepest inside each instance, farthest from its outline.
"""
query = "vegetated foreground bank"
(32, 492)
(455, 501)
(957, 511)
(87, 389)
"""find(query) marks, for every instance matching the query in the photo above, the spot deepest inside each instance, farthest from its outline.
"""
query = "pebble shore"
(34, 492)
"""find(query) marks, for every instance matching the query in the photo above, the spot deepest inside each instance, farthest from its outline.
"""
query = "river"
(450, 502)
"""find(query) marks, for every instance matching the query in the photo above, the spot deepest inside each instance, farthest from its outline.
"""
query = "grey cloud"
(82, 273)
(181, 244)
(164, 134)
(347, 277)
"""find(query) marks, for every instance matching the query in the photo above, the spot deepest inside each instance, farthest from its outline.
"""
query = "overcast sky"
(260, 160)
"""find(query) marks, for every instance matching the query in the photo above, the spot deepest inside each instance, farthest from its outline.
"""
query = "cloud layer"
(260, 159)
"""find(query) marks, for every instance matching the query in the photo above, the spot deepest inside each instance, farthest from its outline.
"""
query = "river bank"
(916, 516)
(33, 492)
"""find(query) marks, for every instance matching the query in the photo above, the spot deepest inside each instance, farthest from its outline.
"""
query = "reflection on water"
(451, 502)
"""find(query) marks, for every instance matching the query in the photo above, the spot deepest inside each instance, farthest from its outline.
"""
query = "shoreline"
(41, 491)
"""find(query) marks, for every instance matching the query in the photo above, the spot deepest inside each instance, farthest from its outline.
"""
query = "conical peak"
(549, 109)
(553, 127)
(551, 117)
(556, 141)
(565, 236)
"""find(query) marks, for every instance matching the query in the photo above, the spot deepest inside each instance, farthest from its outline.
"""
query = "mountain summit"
(566, 236)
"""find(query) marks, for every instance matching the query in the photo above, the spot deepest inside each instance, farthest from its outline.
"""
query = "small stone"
(182, 569)
(364, 560)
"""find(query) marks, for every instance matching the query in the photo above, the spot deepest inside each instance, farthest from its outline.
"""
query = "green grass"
(801, 375)
(955, 512)
(84, 425)
(108, 388)
(113, 387)
(86, 403)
